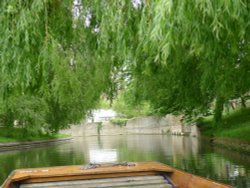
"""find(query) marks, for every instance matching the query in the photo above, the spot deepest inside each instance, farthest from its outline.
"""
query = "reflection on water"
(102, 156)
(186, 153)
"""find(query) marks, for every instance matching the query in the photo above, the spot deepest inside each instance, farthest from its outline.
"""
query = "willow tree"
(50, 73)
(207, 37)
(182, 54)
(209, 40)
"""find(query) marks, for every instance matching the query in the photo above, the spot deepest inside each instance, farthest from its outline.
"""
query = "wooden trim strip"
(84, 177)
(187, 180)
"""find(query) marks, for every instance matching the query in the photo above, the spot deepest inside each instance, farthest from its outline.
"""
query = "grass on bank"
(18, 135)
(234, 125)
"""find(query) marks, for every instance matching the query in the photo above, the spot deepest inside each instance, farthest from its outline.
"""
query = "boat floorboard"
(121, 182)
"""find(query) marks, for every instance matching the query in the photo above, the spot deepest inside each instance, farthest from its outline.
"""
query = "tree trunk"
(232, 103)
(243, 102)
(219, 106)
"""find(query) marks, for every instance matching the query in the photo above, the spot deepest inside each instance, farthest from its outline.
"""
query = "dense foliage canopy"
(58, 57)
(183, 55)
(50, 74)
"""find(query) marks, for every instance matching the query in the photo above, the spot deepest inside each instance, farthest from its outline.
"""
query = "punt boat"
(115, 175)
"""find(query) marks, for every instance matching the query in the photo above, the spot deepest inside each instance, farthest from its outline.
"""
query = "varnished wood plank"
(82, 177)
(143, 186)
(100, 181)
(186, 180)
(105, 185)
(118, 186)
(74, 170)
(150, 186)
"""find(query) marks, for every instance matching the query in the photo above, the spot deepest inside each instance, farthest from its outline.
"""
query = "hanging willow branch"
(158, 41)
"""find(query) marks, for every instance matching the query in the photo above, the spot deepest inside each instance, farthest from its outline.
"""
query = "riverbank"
(18, 138)
(31, 144)
(8, 135)
(234, 126)
(150, 125)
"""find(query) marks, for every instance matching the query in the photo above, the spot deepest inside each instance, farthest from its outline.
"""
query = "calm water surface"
(185, 153)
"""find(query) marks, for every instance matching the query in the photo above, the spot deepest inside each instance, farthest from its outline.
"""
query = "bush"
(119, 121)
(11, 134)
(30, 112)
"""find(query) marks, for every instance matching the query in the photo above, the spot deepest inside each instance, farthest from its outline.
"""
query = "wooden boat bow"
(101, 171)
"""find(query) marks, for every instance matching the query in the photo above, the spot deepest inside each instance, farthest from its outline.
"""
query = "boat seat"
(121, 182)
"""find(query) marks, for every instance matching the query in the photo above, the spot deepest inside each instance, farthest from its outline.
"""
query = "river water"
(186, 153)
